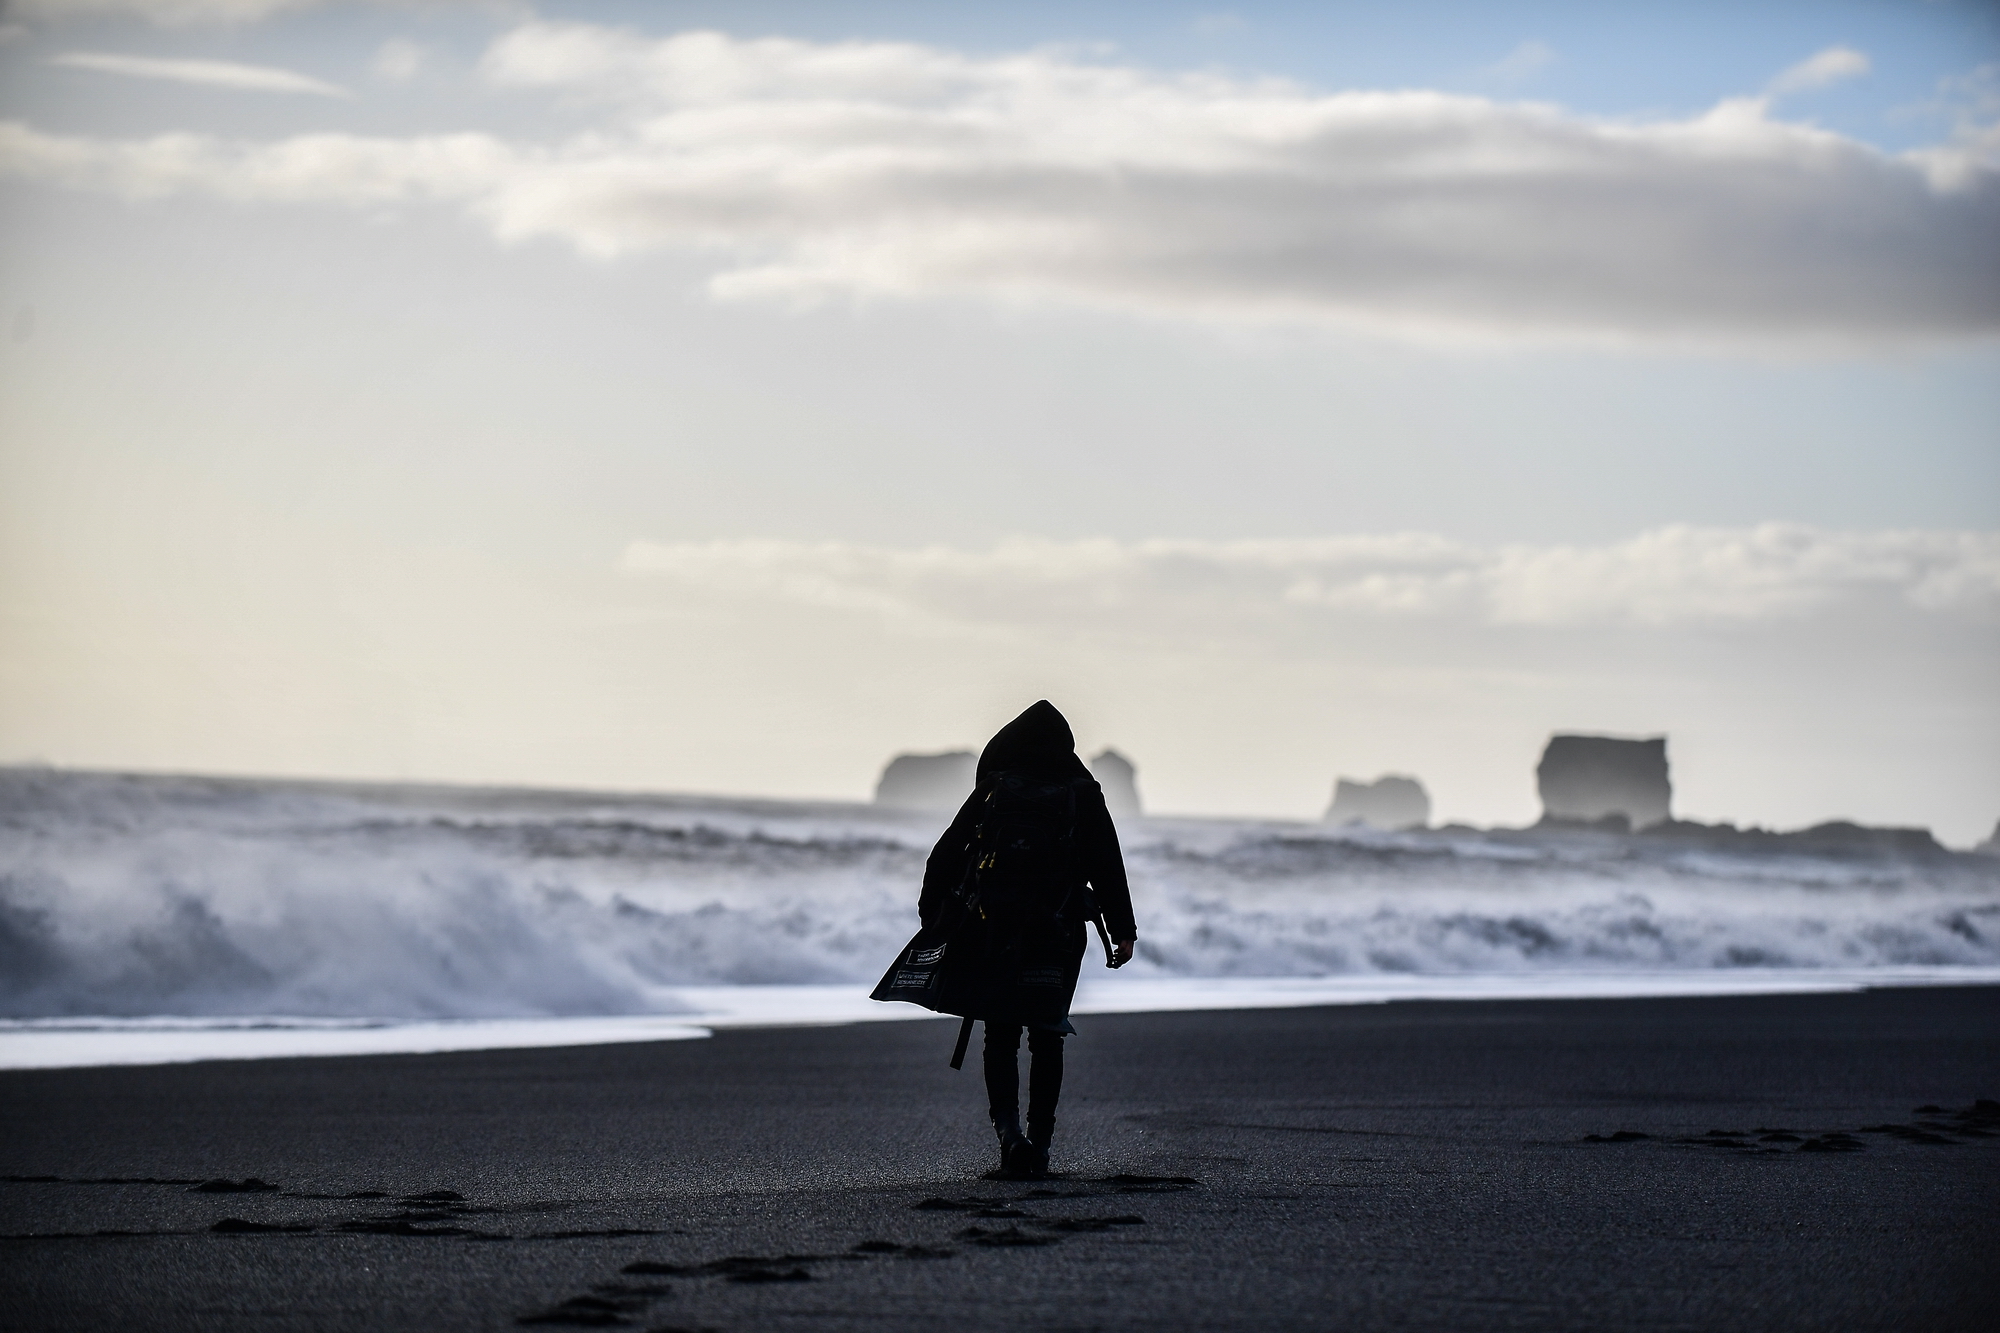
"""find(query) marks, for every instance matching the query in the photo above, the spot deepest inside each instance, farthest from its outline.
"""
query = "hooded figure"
(1035, 751)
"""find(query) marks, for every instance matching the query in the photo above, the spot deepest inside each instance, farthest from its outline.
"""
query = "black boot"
(1003, 1096)
(1035, 1159)
(1016, 1153)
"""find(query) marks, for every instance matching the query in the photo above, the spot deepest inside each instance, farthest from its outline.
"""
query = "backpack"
(995, 960)
(1022, 849)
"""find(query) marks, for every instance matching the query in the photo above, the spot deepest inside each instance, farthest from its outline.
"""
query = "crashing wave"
(128, 896)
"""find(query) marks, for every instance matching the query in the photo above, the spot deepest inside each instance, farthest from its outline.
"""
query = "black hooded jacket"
(1039, 742)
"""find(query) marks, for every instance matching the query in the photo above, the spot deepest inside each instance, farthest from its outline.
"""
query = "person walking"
(1030, 858)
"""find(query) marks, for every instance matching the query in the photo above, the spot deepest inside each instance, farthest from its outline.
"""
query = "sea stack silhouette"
(1389, 802)
(1606, 780)
(1119, 778)
(927, 781)
(943, 781)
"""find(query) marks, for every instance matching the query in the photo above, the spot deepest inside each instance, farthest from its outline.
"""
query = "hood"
(1039, 740)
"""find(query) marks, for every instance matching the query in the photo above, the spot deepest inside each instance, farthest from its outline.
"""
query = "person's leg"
(1003, 1083)
(1045, 1076)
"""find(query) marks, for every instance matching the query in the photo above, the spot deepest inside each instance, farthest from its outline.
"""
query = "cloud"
(309, 168)
(398, 60)
(185, 13)
(1523, 62)
(164, 12)
(1974, 98)
(1972, 102)
(1828, 66)
(208, 73)
(875, 170)
(1673, 576)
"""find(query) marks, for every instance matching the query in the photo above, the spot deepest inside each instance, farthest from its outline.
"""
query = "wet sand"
(1411, 1165)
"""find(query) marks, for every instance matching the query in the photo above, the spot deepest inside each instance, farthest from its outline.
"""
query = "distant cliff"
(927, 781)
(1593, 779)
(1116, 774)
(943, 781)
(1991, 847)
(1389, 802)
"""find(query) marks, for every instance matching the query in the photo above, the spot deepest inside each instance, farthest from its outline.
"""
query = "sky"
(724, 398)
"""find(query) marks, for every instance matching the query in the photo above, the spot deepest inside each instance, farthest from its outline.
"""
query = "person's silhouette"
(1037, 926)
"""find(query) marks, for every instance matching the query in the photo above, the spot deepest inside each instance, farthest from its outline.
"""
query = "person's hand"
(1123, 954)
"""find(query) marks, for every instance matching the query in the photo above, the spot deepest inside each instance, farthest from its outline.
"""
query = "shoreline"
(698, 1012)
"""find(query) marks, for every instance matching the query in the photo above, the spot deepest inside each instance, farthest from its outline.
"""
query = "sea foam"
(135, 896)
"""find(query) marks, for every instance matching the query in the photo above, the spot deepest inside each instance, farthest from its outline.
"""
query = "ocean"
(158, 918)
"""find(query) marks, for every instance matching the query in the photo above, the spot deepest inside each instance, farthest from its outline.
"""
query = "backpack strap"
(964, 1040)
(965, 893)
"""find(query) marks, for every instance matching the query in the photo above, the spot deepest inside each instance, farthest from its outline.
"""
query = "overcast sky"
(723, 397)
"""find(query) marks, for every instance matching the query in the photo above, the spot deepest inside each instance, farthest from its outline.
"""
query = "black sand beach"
(1414, 1165)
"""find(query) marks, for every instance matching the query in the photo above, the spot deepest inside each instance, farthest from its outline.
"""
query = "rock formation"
(1605, 780)
(927, 781)
(943, 781)
(1991, 847)
(1115, 773)
(1389, 802)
